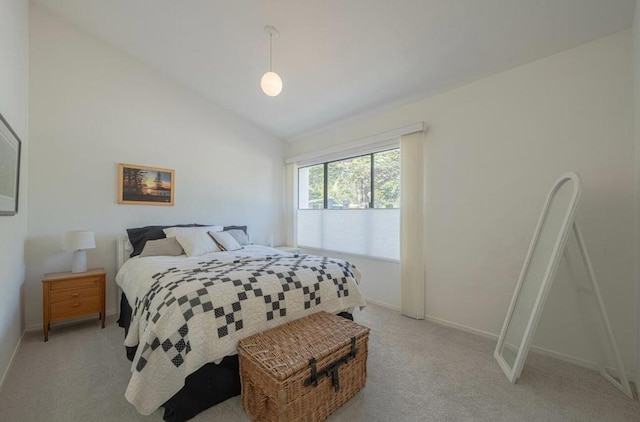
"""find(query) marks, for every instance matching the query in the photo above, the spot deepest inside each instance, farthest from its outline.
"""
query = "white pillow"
(225, 241)
(240, 236)
(173, 231)
(197, 243)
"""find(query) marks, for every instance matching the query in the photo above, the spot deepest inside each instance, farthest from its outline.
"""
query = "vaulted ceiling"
(338, 58)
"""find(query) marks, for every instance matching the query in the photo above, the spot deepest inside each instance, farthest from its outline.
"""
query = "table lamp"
(79, 241)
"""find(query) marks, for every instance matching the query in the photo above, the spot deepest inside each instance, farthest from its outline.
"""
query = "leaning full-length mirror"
(538, 271)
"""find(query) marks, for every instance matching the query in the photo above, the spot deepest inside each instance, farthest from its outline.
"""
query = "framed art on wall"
(10, 147)
(142, 185)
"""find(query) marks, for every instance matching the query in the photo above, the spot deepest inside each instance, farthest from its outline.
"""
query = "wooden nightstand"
(69, 295)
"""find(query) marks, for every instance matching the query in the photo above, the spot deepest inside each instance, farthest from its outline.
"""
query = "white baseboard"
(566, 358)
(631, 375)
(541, 350)
(38, 327)
(382, 304)
(13, 355)
(557, 355)
(461, 327)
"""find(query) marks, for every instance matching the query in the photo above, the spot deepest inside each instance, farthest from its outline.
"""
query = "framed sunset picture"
(142, 185)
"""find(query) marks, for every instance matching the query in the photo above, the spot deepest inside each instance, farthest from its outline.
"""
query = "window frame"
(325, 164)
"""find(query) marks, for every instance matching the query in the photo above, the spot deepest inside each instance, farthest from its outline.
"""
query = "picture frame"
(10, 152)
(144, 185)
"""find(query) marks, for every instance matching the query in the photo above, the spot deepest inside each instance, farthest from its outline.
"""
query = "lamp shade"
(80, 239)
(271, 84)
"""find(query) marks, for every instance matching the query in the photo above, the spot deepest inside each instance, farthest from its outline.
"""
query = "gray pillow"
(162, 247)
(240, 236)
(225, 241)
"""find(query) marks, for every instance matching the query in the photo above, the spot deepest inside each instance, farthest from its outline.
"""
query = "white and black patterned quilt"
(195, 312)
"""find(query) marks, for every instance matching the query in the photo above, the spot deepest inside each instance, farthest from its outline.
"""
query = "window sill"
(339, 254)
(289, 249)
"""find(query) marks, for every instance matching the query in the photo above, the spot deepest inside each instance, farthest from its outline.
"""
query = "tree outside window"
(348, 183)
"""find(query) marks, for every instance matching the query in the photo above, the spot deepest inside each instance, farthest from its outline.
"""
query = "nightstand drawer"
(75, 283)
(75, 307)
(67, 295)
(63, 295)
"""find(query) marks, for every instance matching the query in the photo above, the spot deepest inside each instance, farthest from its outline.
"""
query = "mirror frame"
(513, 373)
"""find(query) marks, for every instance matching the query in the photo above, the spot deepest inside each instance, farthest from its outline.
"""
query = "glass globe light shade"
(271, 84)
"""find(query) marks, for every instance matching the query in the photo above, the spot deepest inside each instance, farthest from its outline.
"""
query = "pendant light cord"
(270, 52)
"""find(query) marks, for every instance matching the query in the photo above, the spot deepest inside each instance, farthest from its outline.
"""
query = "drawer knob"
(75, 305)
(75, 294)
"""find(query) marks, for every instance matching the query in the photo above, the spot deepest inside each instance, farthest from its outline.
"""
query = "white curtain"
(412, 259)
(290, 202)
(368, 232)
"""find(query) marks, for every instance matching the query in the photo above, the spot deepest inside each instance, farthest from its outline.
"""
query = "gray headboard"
(123, 250)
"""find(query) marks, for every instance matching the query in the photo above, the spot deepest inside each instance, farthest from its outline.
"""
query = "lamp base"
(79, 264)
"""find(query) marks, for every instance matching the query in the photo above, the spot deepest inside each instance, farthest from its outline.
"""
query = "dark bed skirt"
(208, 386)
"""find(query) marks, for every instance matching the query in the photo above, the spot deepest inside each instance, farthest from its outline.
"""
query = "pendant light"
(271, 83)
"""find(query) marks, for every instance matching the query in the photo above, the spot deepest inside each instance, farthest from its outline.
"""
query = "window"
(386, 179)
(311, 187)
(349, 183)
(366, 181)
(352, 205)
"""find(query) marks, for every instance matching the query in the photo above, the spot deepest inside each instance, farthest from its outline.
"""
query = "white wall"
(636, 137)
(93, 107)
(14, 96)
(494, 149)
(380, 279)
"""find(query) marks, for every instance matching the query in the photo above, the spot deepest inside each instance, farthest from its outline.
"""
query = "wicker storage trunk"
(277, 368)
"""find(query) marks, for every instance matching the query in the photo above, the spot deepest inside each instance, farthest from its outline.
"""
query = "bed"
(183, 316)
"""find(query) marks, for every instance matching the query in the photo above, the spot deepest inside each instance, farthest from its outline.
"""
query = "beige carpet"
(418, 371)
